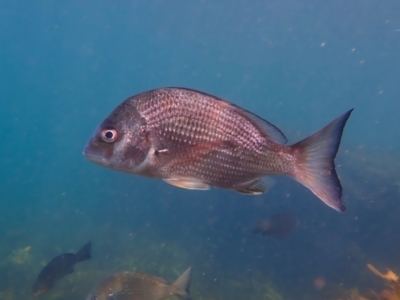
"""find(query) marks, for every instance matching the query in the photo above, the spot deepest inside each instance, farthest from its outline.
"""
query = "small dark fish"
(194, 140)
(279, 225)
(57, 268)
(140, 286)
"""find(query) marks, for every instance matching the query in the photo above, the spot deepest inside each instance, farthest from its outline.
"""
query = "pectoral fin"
(188, 183)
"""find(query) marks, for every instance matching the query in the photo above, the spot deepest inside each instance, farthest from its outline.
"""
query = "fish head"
(120, 142)
(264, 225)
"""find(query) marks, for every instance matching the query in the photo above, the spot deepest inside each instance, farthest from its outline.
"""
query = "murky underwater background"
(299, 64)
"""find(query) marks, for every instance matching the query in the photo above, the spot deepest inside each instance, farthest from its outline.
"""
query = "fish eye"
(109, 135)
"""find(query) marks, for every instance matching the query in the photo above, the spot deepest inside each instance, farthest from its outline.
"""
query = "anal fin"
(255, 186)
(188, 183)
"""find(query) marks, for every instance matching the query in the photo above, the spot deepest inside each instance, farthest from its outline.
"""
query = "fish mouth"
(94, 158)
(92, 153)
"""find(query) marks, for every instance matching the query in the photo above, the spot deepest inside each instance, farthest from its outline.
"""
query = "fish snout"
(96, 151)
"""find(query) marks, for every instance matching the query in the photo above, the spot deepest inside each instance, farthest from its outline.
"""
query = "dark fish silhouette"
(279, 225)
(140, 286)
(193, 140)
(57, 268)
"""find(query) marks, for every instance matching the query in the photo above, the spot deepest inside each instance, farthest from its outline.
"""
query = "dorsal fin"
(270, 130)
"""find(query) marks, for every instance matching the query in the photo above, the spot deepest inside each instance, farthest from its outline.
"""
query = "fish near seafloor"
(194, 140)
(57, 268)
(279, 225)
(140, 286)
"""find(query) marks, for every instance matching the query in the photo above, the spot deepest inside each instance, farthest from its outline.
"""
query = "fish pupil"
(109, 134)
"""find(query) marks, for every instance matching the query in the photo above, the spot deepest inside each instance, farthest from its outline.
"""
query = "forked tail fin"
(181, 286)
(315, 166)
(84, 253)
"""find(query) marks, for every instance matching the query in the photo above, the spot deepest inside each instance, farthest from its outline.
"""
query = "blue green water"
(299, 64)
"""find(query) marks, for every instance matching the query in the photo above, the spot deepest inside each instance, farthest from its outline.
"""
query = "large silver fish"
(194, 140)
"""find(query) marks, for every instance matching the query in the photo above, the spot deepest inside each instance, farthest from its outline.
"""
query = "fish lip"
(86, 153)
(92, 155)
